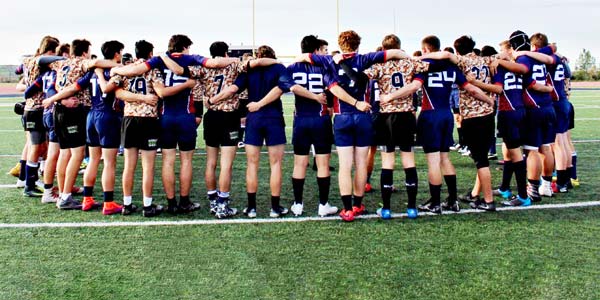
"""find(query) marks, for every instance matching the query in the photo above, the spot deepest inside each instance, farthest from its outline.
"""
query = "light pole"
(253, 27)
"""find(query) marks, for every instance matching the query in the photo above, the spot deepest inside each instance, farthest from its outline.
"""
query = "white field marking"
(281, 220)
(292, 152)
(8, 186)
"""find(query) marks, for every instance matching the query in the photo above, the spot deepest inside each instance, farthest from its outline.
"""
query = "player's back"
(260, 81)
(315, 79)
(437, 86)
(213, 81)
(512, 89)
(536, 72)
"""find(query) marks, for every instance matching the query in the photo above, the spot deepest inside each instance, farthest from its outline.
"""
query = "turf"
(511, 255)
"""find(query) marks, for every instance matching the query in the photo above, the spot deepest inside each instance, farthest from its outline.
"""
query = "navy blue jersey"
(100, 101)
(181, 103)
(359, 63)
(536, 72)
(437, 86)
(373, 93)
(316, 80)
(512, 85)
(44, 84)
(557, 75)
(259, 82)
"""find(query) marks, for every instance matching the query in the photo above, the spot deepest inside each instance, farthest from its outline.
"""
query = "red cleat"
(89, 204)
(111, 208)
(358, 210)
(347, 215)
(368, 188)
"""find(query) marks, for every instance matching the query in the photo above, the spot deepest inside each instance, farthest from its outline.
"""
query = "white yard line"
(265, 221)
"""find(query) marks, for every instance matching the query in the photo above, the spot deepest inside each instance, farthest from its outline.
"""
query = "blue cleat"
(504, 194)
(412, 213)
(385, 214)
(517, 201)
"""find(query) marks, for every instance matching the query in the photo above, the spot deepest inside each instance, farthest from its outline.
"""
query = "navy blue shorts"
(563, 115)
(539, 127)
(264, 130)
(103, 129)
(315, 131)
(353, 130)
(434, 130)
(49, 125)
(178, 131)
(510, 127)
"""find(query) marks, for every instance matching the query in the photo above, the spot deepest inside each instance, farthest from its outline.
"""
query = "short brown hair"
(505, 44)
(432, 42)
(48, 44)
(349, 41)
(62, 49)
(79, 47)
(265, 51)
(391, 41)
(539, 40)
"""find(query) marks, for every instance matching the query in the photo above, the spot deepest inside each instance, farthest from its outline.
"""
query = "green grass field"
(536, 254)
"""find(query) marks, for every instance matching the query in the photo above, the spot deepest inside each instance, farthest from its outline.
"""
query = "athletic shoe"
(213, 206)
(241, 145)
(40, 184)
(446, 205)
(89, 204)
(533, 193)
(412, 213)
(468, 198)
(492, 156)
(84, 163)
(559, 188)
(545, 189)
(111, 208)
(189, 207)
(575, 182)
(327, 209)
(359, 210)
(368, 188)
(77, 190)
(517, 201)
(278, 212)
(466, 152)
(487, 206)
(475, 204)
(455, 147)
(224, 211)
(173, 209)
(249, 212)
(347, 215)
(128, 209)
(15, 171)
(152, 211)
(33, 192)
(504, 194)
(427, 207)
(69, 204)
(384, 214)
(297, 209)
(20, 184)
(50, 197)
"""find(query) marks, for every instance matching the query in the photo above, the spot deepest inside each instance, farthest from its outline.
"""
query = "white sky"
(281, 24)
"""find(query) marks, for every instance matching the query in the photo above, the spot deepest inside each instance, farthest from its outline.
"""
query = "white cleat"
(545, 189)
(50, 197)
(20, 184)
(327, 209)
(297, 209)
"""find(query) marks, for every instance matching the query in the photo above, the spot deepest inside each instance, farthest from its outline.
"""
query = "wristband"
(355, 103)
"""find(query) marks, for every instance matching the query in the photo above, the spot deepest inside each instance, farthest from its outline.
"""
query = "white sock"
(32, 164)
(223, 194)
(210, 193)
(65, 196)
(126, 200)
(147, 201)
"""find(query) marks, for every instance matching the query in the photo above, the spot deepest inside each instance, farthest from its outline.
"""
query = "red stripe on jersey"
(191, 109)
(550, 82)
(504, 104)
(528, 100)
(310, 58)
(336, 105)
(426, 105)
(324, 111)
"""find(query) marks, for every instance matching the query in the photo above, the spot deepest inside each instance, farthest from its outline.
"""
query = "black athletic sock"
(298, 187)
(22, 173)
(387, 181)
(88, 191)
(507, 173)
(520, 169)
(535, 182)
(47, 186)
(574, 168)
(109, 196)
(357, 200)
(184, 200)
(461, 140)
(435, 191)
(252, 200)
(570, 172)
(172, 202)
(412, 186)
(347, 200)
(452, 191)
(562, 176)
(275, 202)
(324, 183)
(547, 178)
(31, 174)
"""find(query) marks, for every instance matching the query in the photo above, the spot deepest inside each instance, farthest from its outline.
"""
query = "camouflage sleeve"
(374, 72)
(197, 72)
(419, 66)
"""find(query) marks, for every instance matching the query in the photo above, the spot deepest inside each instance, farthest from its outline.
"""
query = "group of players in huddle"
(154, 102)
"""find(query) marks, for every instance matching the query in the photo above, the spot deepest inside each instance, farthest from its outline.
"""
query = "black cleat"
(128, 209)
(468, 198)
(152, 211)
(453, 206)
(173, 209)
(429, 207)
(475, 204)
(188, 207)
(487, 206)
